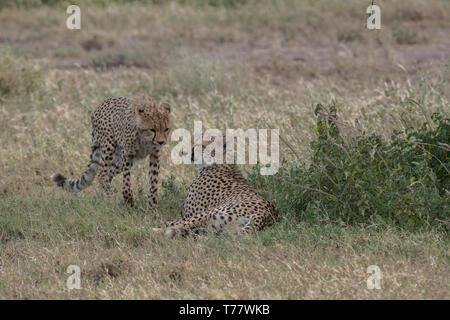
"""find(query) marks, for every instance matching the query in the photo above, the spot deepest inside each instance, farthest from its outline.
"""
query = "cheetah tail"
(76, 185)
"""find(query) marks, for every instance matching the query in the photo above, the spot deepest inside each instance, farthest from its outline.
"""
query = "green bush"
(364, 179)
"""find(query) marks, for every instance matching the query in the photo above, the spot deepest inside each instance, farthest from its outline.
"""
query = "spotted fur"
(220, 198)
(124, 132)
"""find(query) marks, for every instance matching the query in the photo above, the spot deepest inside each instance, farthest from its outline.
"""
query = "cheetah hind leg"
(105, 177)
(172, 232)
(171, 229)
(116, 165)
(184, 227)
(246, 225)
(231, 224)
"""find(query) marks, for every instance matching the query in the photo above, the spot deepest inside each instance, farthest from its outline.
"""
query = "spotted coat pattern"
(220, 197)
(124, 132)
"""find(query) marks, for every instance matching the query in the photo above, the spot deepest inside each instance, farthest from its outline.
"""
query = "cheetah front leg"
(153, 172)
(126, 188)
(233, 224)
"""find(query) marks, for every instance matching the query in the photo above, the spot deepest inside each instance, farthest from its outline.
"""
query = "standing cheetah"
(221, 198)
(124, 131)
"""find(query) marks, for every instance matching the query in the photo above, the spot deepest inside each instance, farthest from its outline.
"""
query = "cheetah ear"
(165, 106)
(139, 107)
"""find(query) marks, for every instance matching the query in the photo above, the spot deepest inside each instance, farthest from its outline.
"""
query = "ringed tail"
(76, 185)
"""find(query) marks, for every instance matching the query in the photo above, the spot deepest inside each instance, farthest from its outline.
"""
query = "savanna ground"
(247, 65)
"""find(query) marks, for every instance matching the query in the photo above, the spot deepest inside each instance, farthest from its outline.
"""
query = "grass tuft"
(17, 77)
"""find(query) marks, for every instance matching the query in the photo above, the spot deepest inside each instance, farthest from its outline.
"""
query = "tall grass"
(17, 76)
(230, 66)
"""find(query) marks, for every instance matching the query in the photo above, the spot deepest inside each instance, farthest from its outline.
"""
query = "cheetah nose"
(160, 143)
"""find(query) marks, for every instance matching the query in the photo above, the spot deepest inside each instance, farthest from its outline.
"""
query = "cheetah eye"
(167, 130)
(152, 130)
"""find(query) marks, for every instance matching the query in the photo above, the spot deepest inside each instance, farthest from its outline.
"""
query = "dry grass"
(307, 266)
(229, 68)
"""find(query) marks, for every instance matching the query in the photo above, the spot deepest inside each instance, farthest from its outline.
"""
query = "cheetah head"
(152, 119)
(209, 152)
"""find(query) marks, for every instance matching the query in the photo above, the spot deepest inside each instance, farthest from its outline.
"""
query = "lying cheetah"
(124, 131)
(220, 197)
